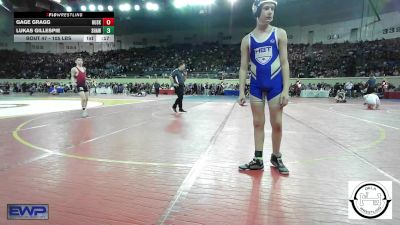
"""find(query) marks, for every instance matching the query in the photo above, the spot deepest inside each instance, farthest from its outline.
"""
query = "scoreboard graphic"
(64, 27)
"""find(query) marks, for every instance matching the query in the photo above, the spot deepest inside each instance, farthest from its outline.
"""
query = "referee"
(178, 81)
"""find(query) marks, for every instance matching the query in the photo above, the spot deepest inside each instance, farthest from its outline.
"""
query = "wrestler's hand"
(284, 99)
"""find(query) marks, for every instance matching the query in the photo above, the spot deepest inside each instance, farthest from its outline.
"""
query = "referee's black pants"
(179, 92)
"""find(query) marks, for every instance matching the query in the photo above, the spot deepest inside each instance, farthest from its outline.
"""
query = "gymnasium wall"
(326, 33)
(387, 28)
(6, 29)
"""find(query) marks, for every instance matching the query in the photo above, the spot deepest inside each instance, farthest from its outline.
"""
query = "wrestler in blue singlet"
(265, 67)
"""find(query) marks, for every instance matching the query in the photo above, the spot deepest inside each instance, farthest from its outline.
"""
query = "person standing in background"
(178, 77)
(157, 88)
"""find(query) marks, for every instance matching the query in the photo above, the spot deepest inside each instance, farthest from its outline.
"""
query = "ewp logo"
(28, 212)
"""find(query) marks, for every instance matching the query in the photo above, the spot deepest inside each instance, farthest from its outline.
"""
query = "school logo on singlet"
(263, 54)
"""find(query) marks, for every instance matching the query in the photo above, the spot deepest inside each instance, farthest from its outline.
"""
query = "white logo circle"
(370, 200)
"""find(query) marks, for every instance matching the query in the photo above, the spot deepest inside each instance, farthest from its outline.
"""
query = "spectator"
(341, 96)
(380, 57)
(349, 88)
(371, 84)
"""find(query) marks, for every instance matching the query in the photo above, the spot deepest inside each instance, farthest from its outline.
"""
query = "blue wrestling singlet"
(265, 67)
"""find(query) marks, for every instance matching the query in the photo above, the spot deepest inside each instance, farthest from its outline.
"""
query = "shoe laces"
(253, 162)
(280, 162)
